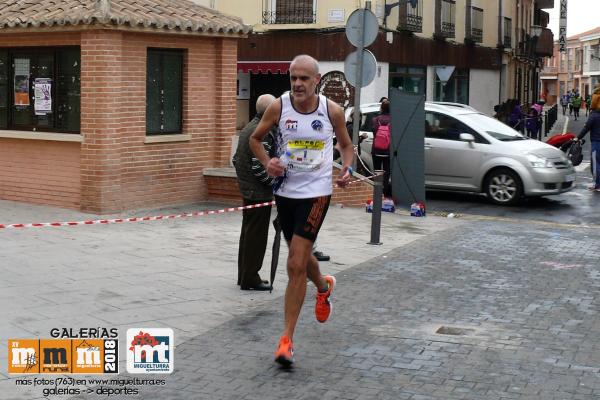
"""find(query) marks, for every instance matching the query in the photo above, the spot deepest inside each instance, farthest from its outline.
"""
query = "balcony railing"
(525, 49)
(549, 71)
(594, 64)
(475, 26)
(448, 29)
(477, 35)
(411, 18)
(289, 12)
(446, 19)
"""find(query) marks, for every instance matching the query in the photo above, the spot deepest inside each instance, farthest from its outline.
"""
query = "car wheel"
(503, 187)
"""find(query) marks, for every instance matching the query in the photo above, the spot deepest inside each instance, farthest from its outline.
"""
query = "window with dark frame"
(507, 33)
(456, 90)
(164, 91)
(476, 24)
(411, 18)
(447, 27)
(40, 89)
(408, 79)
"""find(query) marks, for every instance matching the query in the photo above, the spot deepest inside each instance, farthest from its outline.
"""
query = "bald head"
(263, 102)
(305, 61)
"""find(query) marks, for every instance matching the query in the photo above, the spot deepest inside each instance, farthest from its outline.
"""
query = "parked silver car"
(466, 150)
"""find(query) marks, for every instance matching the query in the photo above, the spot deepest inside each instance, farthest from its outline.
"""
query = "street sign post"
(369, 68)
(360, 67)
(361, 30)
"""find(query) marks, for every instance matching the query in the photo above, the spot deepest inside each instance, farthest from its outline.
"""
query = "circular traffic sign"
(362, 23)
(369, 68)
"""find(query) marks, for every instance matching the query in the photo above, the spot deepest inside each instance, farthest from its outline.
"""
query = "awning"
(260, 67)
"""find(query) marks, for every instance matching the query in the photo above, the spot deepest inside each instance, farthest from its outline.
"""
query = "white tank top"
(305, 143)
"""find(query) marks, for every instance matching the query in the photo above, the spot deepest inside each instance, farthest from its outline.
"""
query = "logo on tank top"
(317, 125)
(291, 125)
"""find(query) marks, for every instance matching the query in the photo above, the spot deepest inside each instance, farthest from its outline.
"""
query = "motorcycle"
(567, 144)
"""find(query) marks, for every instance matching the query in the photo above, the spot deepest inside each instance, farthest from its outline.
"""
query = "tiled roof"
(175, 15)
(586, 33)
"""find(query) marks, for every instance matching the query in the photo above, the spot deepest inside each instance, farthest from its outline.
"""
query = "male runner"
(303, 186)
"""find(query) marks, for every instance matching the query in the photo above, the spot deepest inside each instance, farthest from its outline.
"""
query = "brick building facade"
(93, 146)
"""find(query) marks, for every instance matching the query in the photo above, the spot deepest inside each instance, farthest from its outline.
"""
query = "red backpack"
(382, 138)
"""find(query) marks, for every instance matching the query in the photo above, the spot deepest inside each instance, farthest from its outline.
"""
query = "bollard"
(376, 215)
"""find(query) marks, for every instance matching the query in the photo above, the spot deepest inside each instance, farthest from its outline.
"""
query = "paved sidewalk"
(519, 302)
(172, 273)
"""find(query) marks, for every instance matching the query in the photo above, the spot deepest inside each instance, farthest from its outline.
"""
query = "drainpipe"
(501, 47)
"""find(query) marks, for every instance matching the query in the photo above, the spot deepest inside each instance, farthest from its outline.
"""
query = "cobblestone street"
(519, 302)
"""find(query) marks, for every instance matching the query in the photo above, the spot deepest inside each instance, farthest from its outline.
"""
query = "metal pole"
(376, 216)
(356, 120)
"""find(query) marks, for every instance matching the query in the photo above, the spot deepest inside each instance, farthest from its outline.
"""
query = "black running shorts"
(302, 217)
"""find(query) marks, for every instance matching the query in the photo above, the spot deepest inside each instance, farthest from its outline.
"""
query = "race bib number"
(305, 155)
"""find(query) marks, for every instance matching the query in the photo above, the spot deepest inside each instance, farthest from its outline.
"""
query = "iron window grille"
(448, 13)
(476, 28)
(411, 18)
(289, 12)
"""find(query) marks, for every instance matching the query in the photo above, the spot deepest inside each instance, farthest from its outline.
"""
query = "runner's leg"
(298, 258)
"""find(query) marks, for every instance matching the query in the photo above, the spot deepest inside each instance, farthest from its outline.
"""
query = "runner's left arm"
(336, 114)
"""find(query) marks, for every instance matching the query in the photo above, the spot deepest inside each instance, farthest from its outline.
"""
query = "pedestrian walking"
(256, 187)
(564, 102)
(531, 124)
(571, 95)
(595, 105)
(382, 128)
(576, 102)
(592, 125)
(515, 120)
(302, 188)
(588, 104)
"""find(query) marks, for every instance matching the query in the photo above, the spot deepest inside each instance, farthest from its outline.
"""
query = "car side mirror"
(467, 137)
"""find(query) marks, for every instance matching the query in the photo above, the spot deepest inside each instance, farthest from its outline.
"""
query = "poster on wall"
(21, 90)
(22, 82)
(43, 96)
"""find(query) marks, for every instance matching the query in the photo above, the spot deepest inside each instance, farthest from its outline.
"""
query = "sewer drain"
(451, 330)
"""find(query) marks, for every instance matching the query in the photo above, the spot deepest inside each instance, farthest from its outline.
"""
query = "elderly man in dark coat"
(256, 187)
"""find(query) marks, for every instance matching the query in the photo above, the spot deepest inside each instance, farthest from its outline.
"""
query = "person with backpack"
(382, 139)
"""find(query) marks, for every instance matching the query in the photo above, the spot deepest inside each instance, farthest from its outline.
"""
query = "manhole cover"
(451, 330)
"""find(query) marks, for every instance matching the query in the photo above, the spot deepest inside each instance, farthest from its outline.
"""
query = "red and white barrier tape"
(135, 219)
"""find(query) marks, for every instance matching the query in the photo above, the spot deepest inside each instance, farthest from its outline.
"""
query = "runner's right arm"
(269, 119)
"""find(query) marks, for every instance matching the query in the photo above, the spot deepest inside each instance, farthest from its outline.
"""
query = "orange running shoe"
(285, 352)
(323, 305)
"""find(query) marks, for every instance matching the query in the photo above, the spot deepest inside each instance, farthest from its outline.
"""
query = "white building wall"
(483, 90)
